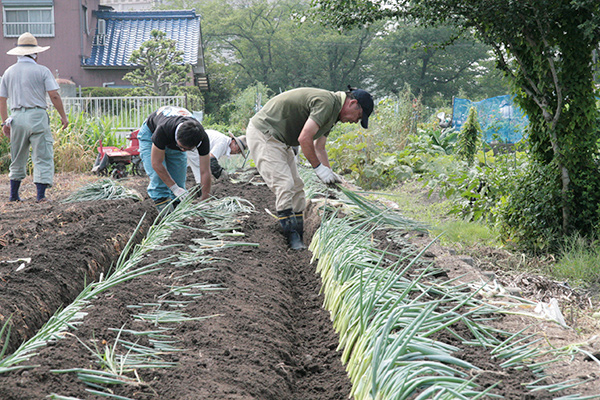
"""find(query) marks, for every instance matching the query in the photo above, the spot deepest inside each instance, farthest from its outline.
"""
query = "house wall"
(69, 44)
(129, 5)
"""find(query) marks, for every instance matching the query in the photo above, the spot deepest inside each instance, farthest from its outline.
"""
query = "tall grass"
(4, 153)
(75, 148)
(578, 261)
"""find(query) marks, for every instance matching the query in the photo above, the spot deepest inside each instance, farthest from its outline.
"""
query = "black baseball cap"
(366, 102)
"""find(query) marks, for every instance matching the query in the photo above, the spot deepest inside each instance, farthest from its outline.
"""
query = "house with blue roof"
(90, 44)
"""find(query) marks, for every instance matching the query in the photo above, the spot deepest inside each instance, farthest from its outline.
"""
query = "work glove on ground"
(178, 191)
(327, 175)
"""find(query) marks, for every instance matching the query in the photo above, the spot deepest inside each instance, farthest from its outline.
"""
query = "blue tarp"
(500, 119)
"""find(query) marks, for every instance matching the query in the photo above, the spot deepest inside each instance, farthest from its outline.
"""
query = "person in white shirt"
(221, 145)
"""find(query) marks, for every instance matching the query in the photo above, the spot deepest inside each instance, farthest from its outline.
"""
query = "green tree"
(271, 42)
(414, 54)
(545, 49)
(161, 66)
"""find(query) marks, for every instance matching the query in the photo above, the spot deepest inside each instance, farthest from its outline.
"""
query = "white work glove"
(178, 191)
(327, 175)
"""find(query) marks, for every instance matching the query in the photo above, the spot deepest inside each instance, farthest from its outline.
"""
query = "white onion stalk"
(386, 319)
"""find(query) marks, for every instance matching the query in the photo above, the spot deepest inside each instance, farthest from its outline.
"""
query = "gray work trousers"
(30, 127)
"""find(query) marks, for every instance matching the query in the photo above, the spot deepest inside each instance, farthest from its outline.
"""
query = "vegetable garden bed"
(221, 310)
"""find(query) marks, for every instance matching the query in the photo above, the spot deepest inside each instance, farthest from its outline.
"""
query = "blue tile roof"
(126, 31)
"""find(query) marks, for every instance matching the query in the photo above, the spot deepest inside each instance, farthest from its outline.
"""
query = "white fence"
(128, 112)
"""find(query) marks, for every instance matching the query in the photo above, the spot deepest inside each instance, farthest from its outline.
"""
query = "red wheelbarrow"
(119, 158)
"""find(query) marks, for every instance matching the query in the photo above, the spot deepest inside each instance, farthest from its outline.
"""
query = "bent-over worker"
(164, 138)
(301, 117)
(220, 146)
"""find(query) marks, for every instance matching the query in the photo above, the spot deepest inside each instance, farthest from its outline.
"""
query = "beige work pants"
(276, 164)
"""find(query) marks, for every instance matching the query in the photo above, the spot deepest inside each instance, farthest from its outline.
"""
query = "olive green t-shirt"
(284, 116)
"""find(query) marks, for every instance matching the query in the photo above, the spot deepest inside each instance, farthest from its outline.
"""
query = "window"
(86, 25)
(37, 20)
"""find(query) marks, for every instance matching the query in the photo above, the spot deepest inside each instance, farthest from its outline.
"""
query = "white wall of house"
(129, 5)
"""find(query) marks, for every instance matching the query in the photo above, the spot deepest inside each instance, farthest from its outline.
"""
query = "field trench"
(70, 245)
(268, 338)
(262, 335)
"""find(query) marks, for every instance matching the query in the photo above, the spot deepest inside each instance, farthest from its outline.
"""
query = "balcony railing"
(38, 29)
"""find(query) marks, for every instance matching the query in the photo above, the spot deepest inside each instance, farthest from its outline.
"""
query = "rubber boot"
(300, 224)
(163, 203)
(14, 190)
(41, 192)
(289, 224)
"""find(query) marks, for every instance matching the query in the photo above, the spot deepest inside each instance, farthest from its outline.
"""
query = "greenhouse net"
(501, 120)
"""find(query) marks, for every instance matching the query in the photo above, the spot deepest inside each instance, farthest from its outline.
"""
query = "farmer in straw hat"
(221, 145)
(26, 84)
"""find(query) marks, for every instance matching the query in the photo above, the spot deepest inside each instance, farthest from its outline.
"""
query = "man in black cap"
(300, 117)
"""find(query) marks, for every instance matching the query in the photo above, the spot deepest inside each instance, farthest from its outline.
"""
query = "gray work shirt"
(26, 84)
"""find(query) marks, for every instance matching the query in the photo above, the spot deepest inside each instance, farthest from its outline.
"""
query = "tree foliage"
(544, 47)
(281, 46)
(435, 63)
(270, 42)
(160, 65)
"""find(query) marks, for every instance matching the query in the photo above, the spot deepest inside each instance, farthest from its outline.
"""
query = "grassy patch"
(578, 262)
(413, 202)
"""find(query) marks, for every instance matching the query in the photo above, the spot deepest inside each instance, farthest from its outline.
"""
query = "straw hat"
(241, 142)
(27, 44)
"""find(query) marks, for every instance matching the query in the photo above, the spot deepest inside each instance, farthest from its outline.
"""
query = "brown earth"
(267, 336)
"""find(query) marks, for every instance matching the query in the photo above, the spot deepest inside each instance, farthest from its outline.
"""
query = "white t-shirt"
(219, 147)
(219, 143)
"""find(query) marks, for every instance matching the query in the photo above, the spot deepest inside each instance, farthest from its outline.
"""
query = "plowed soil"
(263, 336)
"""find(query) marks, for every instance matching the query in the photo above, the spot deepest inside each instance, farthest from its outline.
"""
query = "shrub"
(373, 158)
(248, 103)
(75, 148)
(4, 154)
(531, 215)
(105, 92)
(469, 138)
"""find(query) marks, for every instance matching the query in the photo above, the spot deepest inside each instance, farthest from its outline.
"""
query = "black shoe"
(295, 241)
